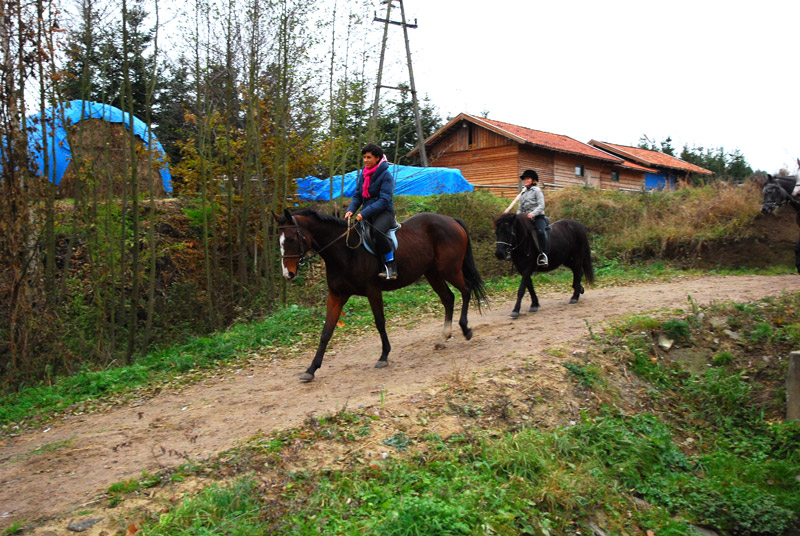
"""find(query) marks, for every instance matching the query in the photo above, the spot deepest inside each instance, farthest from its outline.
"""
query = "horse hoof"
(306, 377)
(514, 314)
(468, 334)
(573, 300)
(381, 364)
(533, 308)
(581, 290)
(439, 346)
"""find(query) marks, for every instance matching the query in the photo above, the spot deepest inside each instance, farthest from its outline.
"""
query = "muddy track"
(201, 420)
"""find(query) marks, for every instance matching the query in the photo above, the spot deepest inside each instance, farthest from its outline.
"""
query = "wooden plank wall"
(539, 160)
(564, 169)
(486, 167)
(459, 137)
(628, 180)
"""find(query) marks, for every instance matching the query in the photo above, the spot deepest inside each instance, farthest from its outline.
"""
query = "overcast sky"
(705, 73)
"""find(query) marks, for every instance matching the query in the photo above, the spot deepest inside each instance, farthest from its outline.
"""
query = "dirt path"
(204, 419)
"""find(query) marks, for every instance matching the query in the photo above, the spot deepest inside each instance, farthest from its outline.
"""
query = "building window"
(615, 176)
(579, 171)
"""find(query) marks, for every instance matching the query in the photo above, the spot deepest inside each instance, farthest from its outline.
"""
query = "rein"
(303, 251)
(512, 246)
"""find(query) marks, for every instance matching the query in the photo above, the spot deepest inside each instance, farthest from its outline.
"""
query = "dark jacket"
(381, 188)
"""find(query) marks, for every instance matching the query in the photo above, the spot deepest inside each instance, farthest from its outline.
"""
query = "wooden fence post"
(793, 387)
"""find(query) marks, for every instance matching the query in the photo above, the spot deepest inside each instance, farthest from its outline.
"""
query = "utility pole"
(373, 124)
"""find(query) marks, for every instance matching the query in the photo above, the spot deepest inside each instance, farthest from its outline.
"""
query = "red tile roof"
(650, 158)
(555, 142)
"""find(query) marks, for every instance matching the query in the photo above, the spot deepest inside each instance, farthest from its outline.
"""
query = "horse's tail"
(470, 270)
(588, 267)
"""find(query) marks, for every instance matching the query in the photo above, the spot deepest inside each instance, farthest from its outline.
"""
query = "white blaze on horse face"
(796, 190)
(283, 252)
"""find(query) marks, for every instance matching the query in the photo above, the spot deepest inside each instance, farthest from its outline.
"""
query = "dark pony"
(779, 191)
(569, 246)
(431, 245)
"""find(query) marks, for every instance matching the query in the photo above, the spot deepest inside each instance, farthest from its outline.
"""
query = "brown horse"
(432, 245)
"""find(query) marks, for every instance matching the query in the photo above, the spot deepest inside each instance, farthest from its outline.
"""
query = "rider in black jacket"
(375, 193)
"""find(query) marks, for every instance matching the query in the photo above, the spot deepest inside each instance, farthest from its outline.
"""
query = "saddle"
(368, 233)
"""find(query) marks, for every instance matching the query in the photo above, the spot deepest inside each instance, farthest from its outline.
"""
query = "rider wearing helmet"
(531, 204)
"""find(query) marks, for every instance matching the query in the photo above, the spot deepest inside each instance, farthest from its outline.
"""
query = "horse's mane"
(324, 218)
(786, 182)
(512, 218)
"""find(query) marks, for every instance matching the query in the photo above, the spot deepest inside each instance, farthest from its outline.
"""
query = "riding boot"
(389, 267)
(544, 240)
(389, 270)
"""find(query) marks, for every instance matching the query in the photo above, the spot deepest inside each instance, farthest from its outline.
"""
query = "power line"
(373, 124)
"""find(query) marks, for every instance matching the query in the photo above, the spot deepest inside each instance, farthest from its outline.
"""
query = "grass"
(233, 510)
(118, 490)
(287, 327)
(15, 528)
(705, 453)
(528, 482)
(52, 447)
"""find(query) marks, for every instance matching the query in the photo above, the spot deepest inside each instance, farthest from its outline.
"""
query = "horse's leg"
(376, 303)
(577, 288)
(334, 310)
(463, 322)
(448, 300)
(524, 284)
(797, 252)
(534, 298)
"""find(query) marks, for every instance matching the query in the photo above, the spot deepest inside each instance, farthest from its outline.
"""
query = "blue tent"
(54, 122)
(408, 180)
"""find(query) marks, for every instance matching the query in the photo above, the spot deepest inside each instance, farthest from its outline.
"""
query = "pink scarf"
(368, 175)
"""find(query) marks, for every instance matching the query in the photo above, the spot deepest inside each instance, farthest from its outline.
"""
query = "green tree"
(170, 105)
(731, 166)
(664, 146)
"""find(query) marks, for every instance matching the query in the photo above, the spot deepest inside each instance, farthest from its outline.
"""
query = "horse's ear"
(277, 218)
(287, 214)
(770, 178)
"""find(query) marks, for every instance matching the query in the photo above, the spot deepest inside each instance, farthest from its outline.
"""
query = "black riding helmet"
(529, 173)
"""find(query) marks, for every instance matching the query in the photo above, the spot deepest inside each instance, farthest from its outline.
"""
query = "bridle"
(782, 195)
(512, 245)
(301, 258)
(299, 234)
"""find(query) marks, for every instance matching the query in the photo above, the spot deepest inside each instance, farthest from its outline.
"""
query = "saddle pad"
(368, 240)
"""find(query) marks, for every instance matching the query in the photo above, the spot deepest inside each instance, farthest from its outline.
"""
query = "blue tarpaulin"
(658, 181)
(409, 180)
(54, 122)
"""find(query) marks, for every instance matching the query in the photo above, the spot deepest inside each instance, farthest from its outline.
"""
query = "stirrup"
(389, 272)
(542, 260)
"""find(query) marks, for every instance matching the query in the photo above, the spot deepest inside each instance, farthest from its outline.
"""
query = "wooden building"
(493, 154)
(668, 171)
